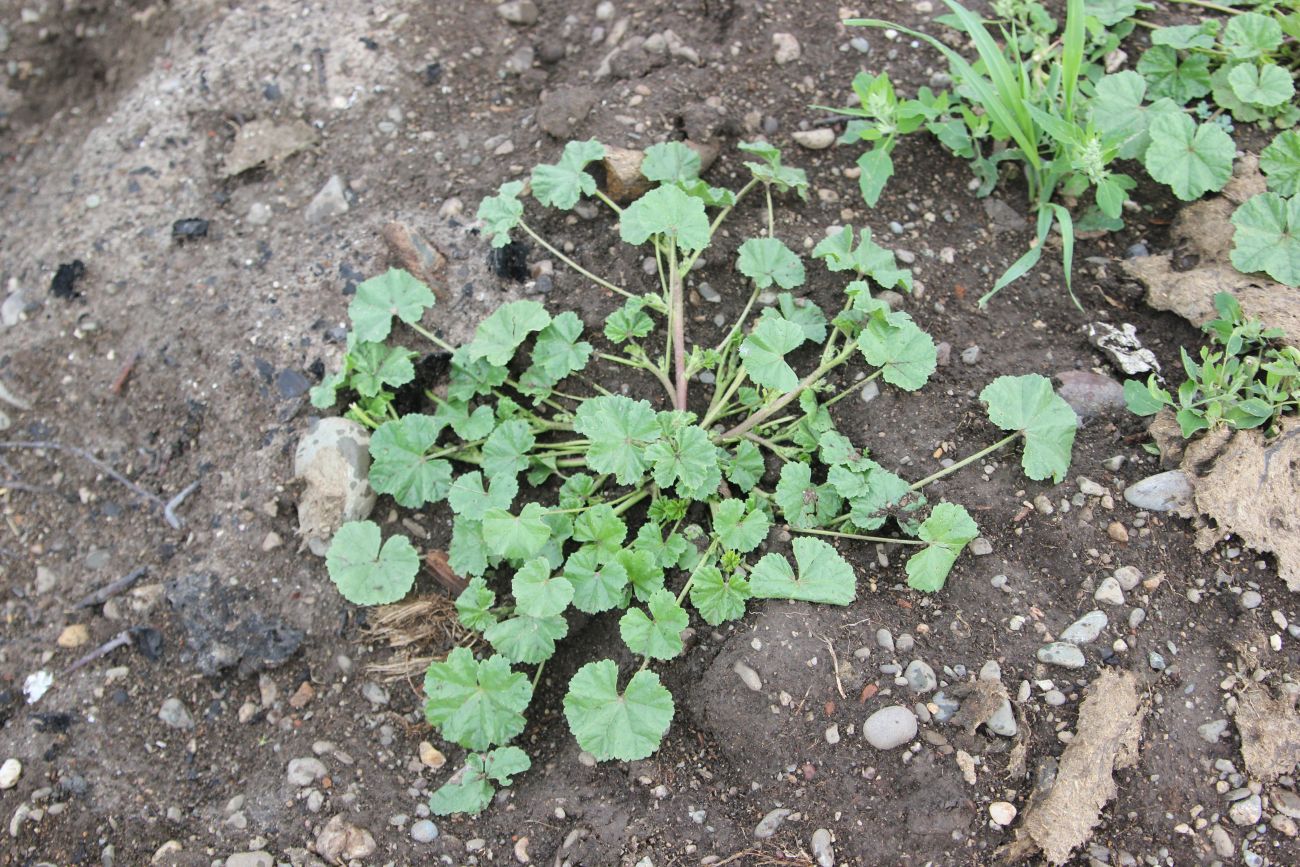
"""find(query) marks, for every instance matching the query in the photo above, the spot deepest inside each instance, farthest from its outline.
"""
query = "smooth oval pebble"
(769, 823)
(424, 831)
(1002, 812)
(748, 676)
(1161, 492)
(10, 771)
(1062, 653)
(890, 727)
(1086, 628)
(822, 849)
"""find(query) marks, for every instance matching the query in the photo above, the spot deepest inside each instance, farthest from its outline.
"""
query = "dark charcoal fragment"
(64, 284)
(148, 641)
(227, 627)
(511, 261)
(432, 74)
(55, 722)
(290, 383)
(189, 229)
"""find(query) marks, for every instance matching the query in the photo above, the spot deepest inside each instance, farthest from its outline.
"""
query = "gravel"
(1128, 577)
(822, 850)
(174, 714)
(1211, 731)
(1110, 592)
(890, 727)
(768, 825)
(1062, 654)
(1250, 600)
(424, 831)
(305, 771)
(1162, 492)
(10, 771)
(920, 676)
(748, 676)
(1086, 628)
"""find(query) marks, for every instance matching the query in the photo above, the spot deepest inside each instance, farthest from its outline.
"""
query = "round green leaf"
(506, 451)
(1267, 237)
(502, 213)
(476, 704)
(537, 592)
(767, 261)
(763, 353)
(1193, 160)
(562, 184)
(670, 162)
(516, 537)
(1029, 405)
(1251, 35)
(669, 213)
(1280, 162)
(379, 299)
(608, 725)
(365, 573)
(716, 599)
(658, 634)
(619, 429)
(738, 529)
(1264, 86)
(498, 336)
(474, 605)
(823, 575)
(948, 529)
(596, 586)
(400, 465)
(527, 639)
(905, 354)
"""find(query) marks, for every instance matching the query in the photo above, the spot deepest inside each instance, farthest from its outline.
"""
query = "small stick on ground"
(169, 509)
(103, 594)
(122, 639)
(50, 445)
(835, 661)
(120, 382)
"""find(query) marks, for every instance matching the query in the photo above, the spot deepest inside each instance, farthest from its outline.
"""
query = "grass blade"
(1072, 54)
(1030, 258)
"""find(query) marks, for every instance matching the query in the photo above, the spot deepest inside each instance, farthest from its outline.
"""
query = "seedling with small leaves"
(655, 506)
(1244, 378)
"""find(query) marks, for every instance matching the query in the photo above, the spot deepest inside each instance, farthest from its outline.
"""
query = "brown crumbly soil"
(115, 119)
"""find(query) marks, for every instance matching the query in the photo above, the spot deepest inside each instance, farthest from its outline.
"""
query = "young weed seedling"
(567, 496)
(1243, 380)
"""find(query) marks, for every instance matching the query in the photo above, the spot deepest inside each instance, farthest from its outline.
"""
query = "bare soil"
(178, 363)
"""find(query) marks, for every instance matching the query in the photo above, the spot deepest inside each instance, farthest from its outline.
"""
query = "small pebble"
(10, 771)
(424, 831)
(920, 676)
(1117, 531)
(173, 713)
(822, 850)
(1062, 654)
(1002, 812)
(890, 727)
(770, 823)
(1250, 600)
(1086, 628)
(788, 49)
(748, 676)
(815, 139)
(971, 355)
(981, 547)
(1109, 592)
(1210, 732)
(305, 771)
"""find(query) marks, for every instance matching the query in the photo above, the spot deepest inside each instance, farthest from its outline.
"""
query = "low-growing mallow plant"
(567, 496)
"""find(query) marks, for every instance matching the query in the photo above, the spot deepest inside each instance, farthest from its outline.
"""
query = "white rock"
(1003, 720)
(1063, 654)
(815, 139)
(748, 676)
(174, 714)
(769, 823)
(1128, 577)
(1090, 488)
(1247, 811)
(1110, 592)
(331, 201)
(822, 849)
(890, 727)
(1002, 812)
(305, 771)
(1086, 628)
(1162, 492)
(10, 771)
(522, 12)
(787, 48)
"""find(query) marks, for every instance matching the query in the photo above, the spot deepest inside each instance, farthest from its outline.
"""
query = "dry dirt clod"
(265, 142)
(411, 251)
(1270, 733)
(340, 840)
(1060, 818)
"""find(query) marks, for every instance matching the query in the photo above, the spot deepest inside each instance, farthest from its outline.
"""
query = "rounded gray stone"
(890, 727)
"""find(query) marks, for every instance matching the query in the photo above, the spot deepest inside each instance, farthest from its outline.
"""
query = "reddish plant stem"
(679, 330)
